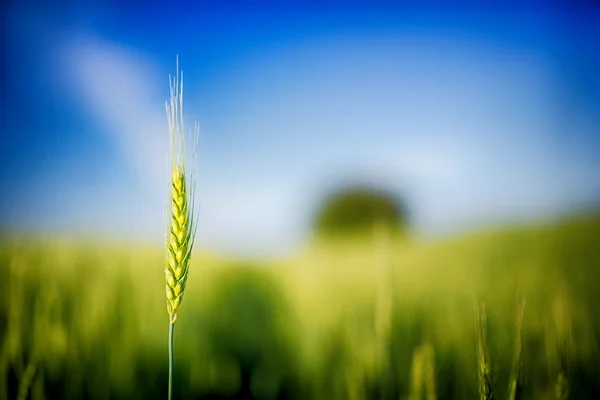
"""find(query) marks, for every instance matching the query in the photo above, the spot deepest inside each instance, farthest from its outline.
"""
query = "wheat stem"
(26, 380)
(171, 359)
(562, 343)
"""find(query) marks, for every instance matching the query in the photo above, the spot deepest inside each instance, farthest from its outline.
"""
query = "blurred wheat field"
(352, 320)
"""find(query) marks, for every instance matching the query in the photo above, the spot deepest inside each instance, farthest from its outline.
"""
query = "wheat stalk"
(485, 374)
(516, 380)
(423, 373)
(562, 343)
(183, 220)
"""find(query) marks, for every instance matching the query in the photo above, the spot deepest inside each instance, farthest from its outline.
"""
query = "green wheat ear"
(179, 246)
(485, 375)
(182, 218)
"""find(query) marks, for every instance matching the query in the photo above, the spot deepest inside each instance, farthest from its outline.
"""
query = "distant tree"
(356, 210)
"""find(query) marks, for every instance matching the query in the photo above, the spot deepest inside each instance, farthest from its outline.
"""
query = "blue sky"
(476, 115)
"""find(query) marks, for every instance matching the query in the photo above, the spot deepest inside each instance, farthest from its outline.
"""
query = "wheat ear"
(423, 373)
(182, 217)
(485, 375)
(562, 343)
(516, 380)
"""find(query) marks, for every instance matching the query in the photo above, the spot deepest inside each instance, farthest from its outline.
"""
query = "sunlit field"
(354, 200)
(377, 317)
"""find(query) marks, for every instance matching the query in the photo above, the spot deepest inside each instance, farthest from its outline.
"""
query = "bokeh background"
(479, 122)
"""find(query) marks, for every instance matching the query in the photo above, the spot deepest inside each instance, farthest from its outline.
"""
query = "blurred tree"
(356, 209)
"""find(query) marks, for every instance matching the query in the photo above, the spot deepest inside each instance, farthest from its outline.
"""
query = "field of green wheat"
(378, 317)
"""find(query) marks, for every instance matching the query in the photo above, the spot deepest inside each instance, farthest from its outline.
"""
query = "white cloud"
(118, 87)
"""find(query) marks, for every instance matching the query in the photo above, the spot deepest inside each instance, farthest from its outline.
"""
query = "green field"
(351, 320)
